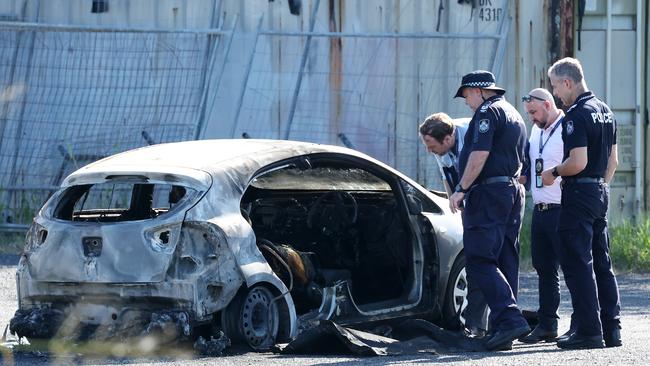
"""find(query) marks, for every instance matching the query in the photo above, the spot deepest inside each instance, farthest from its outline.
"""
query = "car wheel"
(456, 296)
(252, 317)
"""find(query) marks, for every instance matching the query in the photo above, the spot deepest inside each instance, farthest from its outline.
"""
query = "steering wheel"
(332, 212)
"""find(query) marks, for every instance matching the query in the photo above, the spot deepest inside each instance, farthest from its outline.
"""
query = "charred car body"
(249, 236)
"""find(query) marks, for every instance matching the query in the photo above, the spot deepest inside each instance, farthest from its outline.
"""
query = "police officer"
(545, 150)
(590, 159)
(444, 137)
(491, 162)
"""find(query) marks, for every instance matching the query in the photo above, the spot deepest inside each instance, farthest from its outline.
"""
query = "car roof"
(196, 163)
(195, 158)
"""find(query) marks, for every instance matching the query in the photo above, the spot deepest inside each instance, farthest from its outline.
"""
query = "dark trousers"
(545, 246)
(585, 257)
(491, 222)
(476, 311)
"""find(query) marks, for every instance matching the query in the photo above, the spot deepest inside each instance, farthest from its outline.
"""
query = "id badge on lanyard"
(539, 162)
(539, 168)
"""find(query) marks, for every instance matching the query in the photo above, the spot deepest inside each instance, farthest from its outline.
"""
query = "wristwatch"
(460, 189)
(555, 172)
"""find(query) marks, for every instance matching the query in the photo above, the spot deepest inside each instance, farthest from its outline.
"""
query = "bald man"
(546, 149)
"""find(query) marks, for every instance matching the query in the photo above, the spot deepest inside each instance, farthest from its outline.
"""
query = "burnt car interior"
(117, 200)
(329, 221)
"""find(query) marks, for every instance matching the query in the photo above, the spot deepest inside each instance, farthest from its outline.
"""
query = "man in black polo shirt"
(590, 159)
(491, 161)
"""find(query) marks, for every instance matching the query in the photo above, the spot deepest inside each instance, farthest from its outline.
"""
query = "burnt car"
(252, 237)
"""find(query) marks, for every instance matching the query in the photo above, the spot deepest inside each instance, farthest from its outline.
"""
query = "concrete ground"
(635, 299)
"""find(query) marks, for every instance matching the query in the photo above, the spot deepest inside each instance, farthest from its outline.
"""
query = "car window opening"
(321, 178)
(333, 223)
(119, 201)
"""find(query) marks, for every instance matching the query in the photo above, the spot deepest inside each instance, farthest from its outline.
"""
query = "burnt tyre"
(456, 295)
(252, 318)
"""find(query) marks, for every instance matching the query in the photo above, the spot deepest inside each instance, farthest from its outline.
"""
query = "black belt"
(546, 206)
(499, 179)
(570, 180)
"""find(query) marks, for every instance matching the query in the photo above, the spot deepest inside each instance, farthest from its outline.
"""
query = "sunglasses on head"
(527, 98)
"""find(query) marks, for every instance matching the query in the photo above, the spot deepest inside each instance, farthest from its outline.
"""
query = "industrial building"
(83, 79)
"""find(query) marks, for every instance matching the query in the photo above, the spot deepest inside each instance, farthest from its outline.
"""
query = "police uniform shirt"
(552, 153)
(589, 122)
(448, 163)
(496, 127)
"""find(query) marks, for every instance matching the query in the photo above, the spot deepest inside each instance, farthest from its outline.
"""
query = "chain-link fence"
(366, 92)
(72, 96)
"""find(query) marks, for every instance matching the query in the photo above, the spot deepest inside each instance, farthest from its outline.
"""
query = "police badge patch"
(569, 127)
(483, 125)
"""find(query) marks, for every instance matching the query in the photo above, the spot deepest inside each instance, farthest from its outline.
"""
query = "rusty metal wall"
(373, 70)
(368, 85)
(381, 67)
(346, 72)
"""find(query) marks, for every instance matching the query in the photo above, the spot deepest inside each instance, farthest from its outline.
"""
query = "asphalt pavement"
(635, 299)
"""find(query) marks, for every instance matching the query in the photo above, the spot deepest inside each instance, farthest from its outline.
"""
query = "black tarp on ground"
(331, 338)
(408, 337)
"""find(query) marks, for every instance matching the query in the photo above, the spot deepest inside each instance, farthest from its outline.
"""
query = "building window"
(99, 6)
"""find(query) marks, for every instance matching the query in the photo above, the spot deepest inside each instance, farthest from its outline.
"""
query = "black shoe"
(539, 334)
(503, 337)
(577, 341)
(566, 335)
(612, 337)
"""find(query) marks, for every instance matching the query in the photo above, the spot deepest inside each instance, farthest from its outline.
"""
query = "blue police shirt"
(496, 127)
(589, 122)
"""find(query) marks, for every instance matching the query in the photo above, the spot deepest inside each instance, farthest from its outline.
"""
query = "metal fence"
(373, 101)
(71, 95)
(368, 91)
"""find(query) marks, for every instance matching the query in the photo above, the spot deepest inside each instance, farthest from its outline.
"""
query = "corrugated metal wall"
(374, 90)
(367, 92)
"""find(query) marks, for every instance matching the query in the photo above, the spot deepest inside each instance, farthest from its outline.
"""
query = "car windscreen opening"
(321, 178)
(120, 200)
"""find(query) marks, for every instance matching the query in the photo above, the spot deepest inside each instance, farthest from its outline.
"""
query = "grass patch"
(630, 245)
(525, 261)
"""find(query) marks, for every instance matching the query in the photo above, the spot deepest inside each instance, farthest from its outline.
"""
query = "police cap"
(479, 79)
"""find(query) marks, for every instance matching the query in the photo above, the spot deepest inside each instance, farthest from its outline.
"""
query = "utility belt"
(582, 180)
(498, 179)
(546, 206)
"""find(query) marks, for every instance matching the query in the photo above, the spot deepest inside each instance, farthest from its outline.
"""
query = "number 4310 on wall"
(490, 14)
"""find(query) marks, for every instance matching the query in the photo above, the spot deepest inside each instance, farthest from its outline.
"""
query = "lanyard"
(541, 135)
